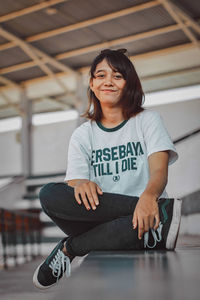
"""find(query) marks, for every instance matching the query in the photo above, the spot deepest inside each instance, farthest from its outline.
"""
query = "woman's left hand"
(146, 214)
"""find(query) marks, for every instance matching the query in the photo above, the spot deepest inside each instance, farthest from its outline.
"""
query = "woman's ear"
(91, 84)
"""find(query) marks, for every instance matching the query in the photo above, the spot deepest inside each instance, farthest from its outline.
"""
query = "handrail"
(186, 136)
(19, 227)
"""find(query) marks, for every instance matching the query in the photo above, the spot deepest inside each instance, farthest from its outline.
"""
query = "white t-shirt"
(117, 158)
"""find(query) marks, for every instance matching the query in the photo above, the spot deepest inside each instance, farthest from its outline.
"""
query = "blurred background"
(46, 48)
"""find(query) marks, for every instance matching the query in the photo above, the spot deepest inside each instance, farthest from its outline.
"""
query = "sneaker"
(53, 268)
(165, 236)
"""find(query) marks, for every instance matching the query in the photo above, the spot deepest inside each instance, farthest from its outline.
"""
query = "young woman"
(113, 196)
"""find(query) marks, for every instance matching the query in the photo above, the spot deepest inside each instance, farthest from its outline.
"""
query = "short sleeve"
(78, 158)
(156, 135)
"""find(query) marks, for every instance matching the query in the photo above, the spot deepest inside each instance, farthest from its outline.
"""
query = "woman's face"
(107, 84)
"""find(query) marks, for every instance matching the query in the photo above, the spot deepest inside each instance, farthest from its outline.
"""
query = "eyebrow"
(103, 70)
(99, 71)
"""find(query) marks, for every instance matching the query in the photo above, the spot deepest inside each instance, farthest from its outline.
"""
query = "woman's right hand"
(88, 190)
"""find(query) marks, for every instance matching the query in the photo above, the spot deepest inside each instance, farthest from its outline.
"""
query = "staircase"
(51, 233)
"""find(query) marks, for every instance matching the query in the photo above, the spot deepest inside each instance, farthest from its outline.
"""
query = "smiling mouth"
(108, 90)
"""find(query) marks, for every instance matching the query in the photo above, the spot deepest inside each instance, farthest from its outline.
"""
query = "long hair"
(132, 96)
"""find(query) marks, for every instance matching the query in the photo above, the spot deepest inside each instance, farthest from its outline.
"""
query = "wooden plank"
(84, 24)
(29, 10)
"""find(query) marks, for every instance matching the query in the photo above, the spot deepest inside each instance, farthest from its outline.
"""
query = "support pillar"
(26, 134)
(82, 98)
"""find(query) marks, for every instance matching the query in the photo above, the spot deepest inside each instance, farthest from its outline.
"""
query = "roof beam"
(32, 51)
(93, 21)
(164, 51)
(150, 54)
(25, 47)
(173, 49)
(31, 64)
(54, 62)
(9, 82)
(120, 41)
(59, 101)
(144, 78)
(35, 55)
(171, 74)
(39, 79)
(55, 98)
(17, 67)
(10, 103)
(29, 50)
(29, 10)
(87, 23)
(97, 47)
(185, 16)
(167, 5)
(135, 58)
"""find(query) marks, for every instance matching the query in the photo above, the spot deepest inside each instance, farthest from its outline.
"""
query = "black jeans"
(109, 227)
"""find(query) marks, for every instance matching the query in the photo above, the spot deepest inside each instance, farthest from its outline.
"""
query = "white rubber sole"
(174, 226)
(36, 282)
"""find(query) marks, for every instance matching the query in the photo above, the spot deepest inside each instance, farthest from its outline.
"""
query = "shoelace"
(157, 237)
(60, 264)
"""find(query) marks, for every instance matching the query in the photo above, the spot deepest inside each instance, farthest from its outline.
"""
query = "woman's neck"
(112, 117)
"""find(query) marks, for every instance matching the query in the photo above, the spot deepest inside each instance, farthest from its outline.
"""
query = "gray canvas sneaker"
(53, 268)
(165, 237)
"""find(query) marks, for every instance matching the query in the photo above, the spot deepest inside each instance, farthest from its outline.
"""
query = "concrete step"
(37, 181)
(116, 275)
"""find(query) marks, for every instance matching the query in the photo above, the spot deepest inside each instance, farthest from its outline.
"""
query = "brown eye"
(118, 76)
(98, 75)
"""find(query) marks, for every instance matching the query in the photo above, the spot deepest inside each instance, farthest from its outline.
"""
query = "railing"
(186, 136)
(20, 236)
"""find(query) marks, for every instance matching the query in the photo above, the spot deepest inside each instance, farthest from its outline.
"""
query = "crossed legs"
(109, 227)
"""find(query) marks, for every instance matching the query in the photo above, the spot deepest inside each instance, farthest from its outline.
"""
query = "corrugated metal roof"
(68, 40)
(192, 7)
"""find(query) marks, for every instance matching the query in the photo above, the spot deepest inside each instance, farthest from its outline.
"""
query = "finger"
(157, 219)
(85, 201)
(146, 224)
(90, 197)
(94, 194)
(151, 222)
(77, 197)
(134, 221)
(99, 190)
(140, 228)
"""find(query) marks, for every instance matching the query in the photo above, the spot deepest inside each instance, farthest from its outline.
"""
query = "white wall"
(50, 145)
(10, 153)
(182, 118)
(184, 174)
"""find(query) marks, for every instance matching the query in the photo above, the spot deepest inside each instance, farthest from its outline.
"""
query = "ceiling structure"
(46, 47)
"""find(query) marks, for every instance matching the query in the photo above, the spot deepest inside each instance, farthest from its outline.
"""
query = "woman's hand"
(146, 214)
(88, 190)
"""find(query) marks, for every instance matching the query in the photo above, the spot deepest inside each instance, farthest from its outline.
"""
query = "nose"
(108, 80)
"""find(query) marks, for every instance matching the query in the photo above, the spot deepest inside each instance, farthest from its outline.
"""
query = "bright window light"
(54, 117)
(172, 96)
(11, 124)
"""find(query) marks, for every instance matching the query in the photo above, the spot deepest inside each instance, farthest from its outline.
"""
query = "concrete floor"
(117, 275)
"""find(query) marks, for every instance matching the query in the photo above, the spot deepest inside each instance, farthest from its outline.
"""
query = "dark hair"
(132, 96)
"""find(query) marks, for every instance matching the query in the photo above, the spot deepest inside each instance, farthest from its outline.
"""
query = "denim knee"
(45, 192)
